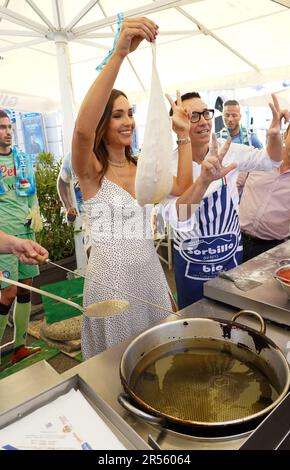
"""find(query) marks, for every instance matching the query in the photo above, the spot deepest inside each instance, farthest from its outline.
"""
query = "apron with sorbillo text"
(212, 247)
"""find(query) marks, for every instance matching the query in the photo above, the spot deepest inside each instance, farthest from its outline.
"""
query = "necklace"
(118, 164)
(121, 183)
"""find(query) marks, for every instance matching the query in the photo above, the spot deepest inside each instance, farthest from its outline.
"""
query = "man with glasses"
(207, 237)
(240, 135)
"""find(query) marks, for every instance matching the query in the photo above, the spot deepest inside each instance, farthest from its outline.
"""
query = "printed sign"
(33, 133)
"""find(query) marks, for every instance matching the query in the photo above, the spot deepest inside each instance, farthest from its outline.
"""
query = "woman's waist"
(122, 251)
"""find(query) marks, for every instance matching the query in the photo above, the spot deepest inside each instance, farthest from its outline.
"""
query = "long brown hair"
(100, 149)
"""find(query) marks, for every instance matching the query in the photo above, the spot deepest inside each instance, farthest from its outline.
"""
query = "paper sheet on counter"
(67, 423)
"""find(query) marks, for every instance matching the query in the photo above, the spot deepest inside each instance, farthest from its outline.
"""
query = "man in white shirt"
(208, 240)
(72, 200)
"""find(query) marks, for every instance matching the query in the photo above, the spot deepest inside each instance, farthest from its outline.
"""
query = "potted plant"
(56, 236)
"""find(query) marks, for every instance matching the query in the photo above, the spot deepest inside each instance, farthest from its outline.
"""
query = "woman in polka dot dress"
(123, 254)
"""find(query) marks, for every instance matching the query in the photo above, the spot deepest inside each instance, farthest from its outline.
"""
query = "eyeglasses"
(207, 115)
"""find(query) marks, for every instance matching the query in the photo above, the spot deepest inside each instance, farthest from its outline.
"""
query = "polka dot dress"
(122, 256)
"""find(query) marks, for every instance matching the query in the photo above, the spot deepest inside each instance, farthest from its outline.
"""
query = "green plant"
(56, 236)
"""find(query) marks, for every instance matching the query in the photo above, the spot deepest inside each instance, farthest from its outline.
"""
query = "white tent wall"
(203, 44)
(262, 99)
(50, 48)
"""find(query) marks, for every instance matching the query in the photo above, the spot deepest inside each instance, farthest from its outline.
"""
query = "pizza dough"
(154, 179)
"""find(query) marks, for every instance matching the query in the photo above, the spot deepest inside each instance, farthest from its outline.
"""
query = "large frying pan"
(203, 373)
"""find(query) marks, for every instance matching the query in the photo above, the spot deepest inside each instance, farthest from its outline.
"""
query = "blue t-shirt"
(243, 137)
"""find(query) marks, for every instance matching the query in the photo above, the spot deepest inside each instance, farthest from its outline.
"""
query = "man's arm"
(25, 250)
(188, 202)
(211, 170)
(274, 142)
(64, 192)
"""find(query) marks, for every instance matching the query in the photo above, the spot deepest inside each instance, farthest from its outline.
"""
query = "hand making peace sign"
(212, 168)
(277, 116)
(180, 117)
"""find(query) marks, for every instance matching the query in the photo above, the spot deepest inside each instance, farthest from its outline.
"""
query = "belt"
(260, 240)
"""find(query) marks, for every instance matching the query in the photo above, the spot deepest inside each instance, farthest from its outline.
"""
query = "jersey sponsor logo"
(7, 171)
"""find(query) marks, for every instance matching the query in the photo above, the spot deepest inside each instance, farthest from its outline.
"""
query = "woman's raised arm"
(133, 31)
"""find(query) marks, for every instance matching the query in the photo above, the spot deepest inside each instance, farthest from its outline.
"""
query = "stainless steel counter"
(102, 371)
(102, 374)
(269, 299)
(27, 383)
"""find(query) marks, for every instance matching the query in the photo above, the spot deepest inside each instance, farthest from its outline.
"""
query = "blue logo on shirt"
(213, 249)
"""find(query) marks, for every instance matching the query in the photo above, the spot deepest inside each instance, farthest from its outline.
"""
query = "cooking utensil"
(241, 283)
(42, 260)
(102, 309)
(203, 373)
(283, 279)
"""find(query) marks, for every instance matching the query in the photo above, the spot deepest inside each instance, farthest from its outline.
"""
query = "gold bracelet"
(184, 141)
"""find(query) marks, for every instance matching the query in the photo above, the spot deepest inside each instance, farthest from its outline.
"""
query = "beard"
(234, 129)
(5, 144)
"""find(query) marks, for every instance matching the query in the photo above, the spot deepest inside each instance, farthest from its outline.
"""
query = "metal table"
(269, 299)
(27, 383)
(102, 374)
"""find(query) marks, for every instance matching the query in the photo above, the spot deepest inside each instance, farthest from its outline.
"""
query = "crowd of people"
(230, 201)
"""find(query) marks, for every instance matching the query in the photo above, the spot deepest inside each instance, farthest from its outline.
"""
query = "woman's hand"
(211, 168)
(180, 117)
(133, 31)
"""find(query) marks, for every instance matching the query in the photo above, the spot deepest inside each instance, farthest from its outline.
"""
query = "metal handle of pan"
(123, 399)
(251, 313)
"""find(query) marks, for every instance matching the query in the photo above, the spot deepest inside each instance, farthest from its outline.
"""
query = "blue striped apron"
(214, 246)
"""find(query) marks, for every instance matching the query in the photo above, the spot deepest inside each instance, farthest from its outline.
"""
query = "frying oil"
(204, 381)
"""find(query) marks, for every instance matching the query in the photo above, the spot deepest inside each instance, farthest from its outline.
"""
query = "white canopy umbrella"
(264, 99)
(51, 47)
(27, 103)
